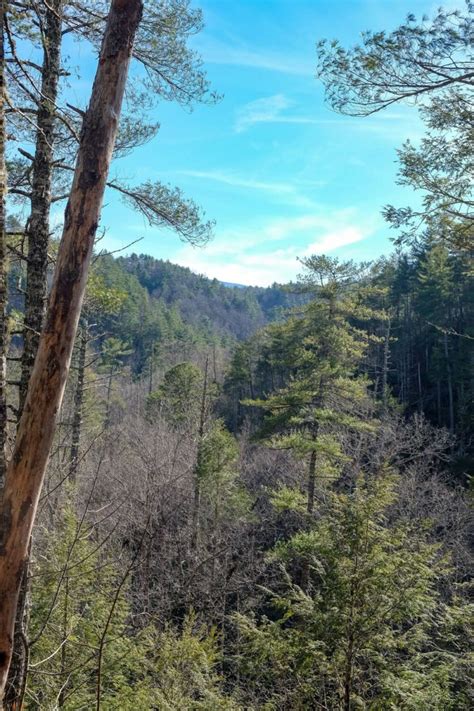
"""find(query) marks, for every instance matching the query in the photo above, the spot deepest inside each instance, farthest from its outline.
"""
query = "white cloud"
(252, 270)
(338, 238)
(248, 255)
(267, 110)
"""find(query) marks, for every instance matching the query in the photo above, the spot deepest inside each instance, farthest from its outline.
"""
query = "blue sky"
(282, 175)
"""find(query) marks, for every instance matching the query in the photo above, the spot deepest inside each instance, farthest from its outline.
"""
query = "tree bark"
(3, 263)
(26, 470)
(37, 232)
(78, 402)
(18, 671)
(38, 222)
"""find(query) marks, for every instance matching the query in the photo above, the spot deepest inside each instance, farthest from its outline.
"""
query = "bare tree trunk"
(438, 403)
(65, 634)
(26, 470)
(420, 388)
(17, 674)
(3, 263)
(386, 358)
(18, 671)
(197, 480)
(108, 398)
(37, 232)
(348, 677)
(78, 402)
(450, 384)
(38, 222)
(150, 371)
(304, 581)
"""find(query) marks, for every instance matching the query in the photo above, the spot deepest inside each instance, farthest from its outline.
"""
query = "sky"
(281, 175)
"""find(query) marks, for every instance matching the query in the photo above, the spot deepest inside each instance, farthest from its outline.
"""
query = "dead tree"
(26, 470)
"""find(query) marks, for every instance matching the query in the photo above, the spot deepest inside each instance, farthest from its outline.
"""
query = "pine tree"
(372, 629)
(319, 351)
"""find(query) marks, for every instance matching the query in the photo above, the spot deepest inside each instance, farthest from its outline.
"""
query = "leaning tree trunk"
(3, 261)
(42, 170)
(26, 470)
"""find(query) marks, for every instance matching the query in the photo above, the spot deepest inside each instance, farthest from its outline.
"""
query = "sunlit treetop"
(414, 61)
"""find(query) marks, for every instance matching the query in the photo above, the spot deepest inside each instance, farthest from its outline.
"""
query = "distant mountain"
(170, 309)
(208, 304)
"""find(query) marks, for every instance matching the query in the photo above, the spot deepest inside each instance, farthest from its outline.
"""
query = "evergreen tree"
(321, 351)
(371, 630)
(178, 397)
(79, 616)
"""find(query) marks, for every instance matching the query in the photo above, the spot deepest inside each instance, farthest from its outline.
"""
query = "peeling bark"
(26, 470)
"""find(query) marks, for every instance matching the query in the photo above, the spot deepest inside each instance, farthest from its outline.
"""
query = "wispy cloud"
(275, 109)
(237, 181)
(215, 52)
(269, 109)
(292, 193)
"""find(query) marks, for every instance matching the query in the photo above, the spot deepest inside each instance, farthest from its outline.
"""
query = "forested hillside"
(217, 496)
(237, 311)
(165, 312)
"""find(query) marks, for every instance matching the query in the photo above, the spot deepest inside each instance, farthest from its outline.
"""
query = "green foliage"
(185, 666)
(147, 323)
(417, 59)
(78, 601)
(207, 305)
(162, 205)
(178, 399)
(430, 300)
(114, 351)
(102, 299)
(288, 499)
(317, 354)
(371, 631)
(217, 471)
(431, 62)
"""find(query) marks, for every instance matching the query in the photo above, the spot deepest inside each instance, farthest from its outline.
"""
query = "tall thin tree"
(42, 172)
(3, 258)
(26, 470)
